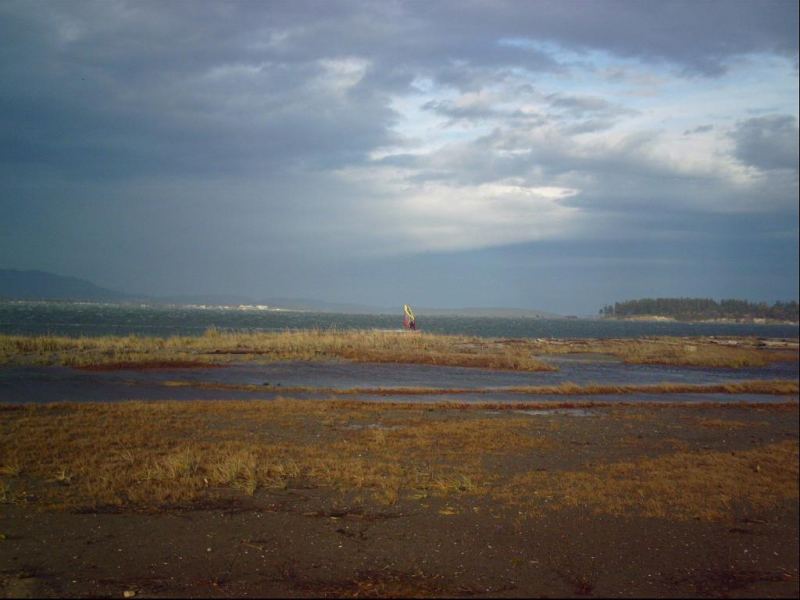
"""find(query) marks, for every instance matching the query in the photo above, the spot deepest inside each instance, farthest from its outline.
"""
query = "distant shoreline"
(731, 320)
(102, 319)
(439, 312)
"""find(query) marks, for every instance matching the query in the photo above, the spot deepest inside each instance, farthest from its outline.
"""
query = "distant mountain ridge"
(41, 285)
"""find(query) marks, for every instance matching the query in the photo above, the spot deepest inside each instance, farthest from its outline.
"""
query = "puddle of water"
(61, 384)
(579, 357)
(360, 426)
(556, 399)
(569, 412)
(579, 370)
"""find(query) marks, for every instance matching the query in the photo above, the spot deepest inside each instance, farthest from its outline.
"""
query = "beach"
(329, 478)
(399, 299)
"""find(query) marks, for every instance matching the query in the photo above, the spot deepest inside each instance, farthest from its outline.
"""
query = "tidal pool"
(64, 384)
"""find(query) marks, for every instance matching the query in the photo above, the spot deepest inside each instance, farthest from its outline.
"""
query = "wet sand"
(310, 540)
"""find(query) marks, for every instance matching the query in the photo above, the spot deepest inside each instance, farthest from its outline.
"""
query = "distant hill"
(39, 285)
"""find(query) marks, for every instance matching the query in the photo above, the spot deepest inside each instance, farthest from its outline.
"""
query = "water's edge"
(58, 318)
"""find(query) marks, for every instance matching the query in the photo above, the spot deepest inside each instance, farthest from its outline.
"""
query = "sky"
(553, 155)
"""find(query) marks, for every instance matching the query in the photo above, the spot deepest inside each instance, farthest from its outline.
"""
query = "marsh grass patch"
(666, 350)
(702, 485)
(151, 455)
(215, 347)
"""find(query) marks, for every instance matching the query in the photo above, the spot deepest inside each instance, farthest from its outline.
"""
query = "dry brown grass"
(147, 456)
(683, 485)
(220, 348)
(159, 454)
(723, 424)
(378, 346)
(698, 352)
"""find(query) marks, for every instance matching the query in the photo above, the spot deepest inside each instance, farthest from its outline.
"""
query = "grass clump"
(695, 351)
(700, 485)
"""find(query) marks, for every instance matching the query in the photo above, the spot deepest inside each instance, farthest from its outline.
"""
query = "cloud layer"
(200, 146)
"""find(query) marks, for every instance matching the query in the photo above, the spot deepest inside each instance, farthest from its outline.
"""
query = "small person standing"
(409, 320)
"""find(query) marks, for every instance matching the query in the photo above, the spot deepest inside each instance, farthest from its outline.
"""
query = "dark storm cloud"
(104, 88)
(111, 88)
(768, 143)
(699, 129)
(699, 37)
(155, 144)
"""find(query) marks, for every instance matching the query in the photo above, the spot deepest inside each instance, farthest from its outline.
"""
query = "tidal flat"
(543, 491)
(308, 498)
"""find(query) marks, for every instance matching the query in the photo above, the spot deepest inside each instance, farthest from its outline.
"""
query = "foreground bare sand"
(314, 498)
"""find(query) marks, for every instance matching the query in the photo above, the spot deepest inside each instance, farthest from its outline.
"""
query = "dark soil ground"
(283, 546)
(310, 541)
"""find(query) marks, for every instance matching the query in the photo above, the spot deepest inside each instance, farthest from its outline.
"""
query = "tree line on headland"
(696, 309)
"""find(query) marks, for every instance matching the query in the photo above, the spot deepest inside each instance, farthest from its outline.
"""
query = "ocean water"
(91, 319)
